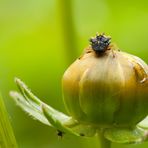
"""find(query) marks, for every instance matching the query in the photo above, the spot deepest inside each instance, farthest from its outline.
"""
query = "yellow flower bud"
(106, 87)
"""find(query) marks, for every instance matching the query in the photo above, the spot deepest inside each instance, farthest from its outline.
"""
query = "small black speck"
(81, 134)
(88, 51)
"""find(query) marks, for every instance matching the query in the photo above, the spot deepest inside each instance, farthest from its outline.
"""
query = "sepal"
(126, 135)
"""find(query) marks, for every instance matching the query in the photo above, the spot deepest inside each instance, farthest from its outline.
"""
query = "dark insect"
(100, 43)
(60, 133)
(81, 134)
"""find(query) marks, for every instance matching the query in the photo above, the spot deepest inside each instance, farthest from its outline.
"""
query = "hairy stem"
(7, 138)
(104, 143)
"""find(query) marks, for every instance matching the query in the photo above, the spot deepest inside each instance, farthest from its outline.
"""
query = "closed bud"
(106, 87)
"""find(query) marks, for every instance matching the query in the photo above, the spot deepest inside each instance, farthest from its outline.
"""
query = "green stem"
(104, 143)
(68, 29)
(7, 138)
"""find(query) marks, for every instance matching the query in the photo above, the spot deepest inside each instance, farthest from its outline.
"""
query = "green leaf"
(56, 120)
(32, 105)
(48, 115)
(144, 123)
(126, 135)
(68, 126)
(36, 113)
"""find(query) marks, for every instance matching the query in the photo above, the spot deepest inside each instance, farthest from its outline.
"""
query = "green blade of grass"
(7, 138)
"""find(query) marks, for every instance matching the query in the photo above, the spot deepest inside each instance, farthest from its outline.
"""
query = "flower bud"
(106, 87)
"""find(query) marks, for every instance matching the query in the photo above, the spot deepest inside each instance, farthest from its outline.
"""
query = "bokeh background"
(40, 38)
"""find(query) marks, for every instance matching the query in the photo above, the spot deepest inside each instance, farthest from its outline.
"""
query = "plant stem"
(68, 29)
(104, 143)
(7, 138)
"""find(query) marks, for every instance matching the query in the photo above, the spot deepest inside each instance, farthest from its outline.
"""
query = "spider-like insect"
(60, 133)
(100, 43)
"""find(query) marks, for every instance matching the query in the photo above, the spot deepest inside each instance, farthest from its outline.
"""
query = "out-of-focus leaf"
(7, 138)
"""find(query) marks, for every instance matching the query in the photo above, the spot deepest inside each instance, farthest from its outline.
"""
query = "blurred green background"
(40, 38)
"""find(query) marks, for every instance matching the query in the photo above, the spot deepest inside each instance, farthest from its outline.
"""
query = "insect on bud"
(106, 87)
(100, 43)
